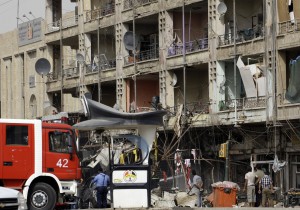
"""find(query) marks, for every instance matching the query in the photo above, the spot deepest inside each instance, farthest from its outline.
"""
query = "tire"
(42, 197)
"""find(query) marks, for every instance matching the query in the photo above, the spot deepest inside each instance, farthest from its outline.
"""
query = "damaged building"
(226, 71)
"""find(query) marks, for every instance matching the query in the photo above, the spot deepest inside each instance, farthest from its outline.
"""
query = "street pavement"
(188, 208)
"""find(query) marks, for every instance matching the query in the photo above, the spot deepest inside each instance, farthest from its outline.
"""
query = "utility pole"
(274, 90)
(227, 158)
(62, 68)
(98, 43)
(184, 62)
(134, 59)
(18, 13)
(234, 64)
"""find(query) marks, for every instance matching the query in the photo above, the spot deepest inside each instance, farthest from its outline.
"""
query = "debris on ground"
(166, 199)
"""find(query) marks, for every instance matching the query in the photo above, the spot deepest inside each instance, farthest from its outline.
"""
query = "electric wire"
(7, 9)
(5, 2)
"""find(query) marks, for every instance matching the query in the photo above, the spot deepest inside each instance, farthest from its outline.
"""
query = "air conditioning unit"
(32, 81)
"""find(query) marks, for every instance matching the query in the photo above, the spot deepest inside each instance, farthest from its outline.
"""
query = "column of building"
(165, 38)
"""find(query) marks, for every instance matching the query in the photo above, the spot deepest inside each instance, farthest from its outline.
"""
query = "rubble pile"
(164, 199)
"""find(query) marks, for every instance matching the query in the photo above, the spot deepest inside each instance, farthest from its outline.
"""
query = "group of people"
(259, 187)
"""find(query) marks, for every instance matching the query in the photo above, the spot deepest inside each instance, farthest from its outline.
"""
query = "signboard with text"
(30, 31)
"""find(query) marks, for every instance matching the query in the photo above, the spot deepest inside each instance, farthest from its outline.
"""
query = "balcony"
(71, 72)
(109, 9)
(289, 27)
(241, 36)
(92, 68)
(153, 53)
(128, 4)
(242, 103)
(196, 107)
(52, 77)
(68, 73)
(192, 46)
(67, 22)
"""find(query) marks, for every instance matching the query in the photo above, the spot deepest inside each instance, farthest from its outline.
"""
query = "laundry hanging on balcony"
(293, 90)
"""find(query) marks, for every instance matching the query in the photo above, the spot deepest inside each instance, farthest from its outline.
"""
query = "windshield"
(59, 141)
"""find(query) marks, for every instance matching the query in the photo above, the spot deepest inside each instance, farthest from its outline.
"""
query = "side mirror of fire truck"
(70, 147)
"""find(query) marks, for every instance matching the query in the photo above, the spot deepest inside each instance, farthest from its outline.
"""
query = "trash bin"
(224, 197)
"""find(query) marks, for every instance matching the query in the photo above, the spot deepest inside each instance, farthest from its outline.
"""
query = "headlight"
(22, 202)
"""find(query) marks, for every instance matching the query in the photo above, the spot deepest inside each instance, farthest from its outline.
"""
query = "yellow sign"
(223, 150)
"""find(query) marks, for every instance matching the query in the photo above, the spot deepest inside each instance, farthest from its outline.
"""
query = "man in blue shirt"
(102, 181)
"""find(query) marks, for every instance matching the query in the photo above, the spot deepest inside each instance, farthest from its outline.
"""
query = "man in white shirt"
(250, 186)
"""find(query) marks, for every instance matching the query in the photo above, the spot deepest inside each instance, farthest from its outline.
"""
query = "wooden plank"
(283, 10)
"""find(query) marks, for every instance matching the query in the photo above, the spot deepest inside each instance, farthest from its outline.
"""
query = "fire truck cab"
(39, 159)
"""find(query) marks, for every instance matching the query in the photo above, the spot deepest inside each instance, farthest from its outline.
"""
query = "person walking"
(102, 181)
(259, 175)
(197, 187)
(266, 188)
(250, 186)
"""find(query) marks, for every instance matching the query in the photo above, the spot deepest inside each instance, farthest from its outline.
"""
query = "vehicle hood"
(8, 193)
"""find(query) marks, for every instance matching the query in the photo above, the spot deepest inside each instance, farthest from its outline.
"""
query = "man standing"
(259, 175)
(266, 188)
(102, 182)
(197, 187)
(250, 186)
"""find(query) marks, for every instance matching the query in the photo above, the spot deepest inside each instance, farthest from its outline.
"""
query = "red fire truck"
(39, 159)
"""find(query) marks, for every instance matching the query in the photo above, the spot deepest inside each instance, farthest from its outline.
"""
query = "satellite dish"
(222, 8)
(80, 58)
(128, 40)
(42, 66)
(174, 80)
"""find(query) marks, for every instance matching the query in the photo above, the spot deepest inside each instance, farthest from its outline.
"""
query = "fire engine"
(40, 159)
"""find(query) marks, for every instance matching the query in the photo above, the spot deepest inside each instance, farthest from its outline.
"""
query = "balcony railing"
(52, 76)
(71, 72)
(97, 13)
(68, 72)
(241, 36)
(243, 103)
(192, 46)
(91, 68)
(153, 53)
(197, 107)
(67, 22)
(289, 26)
(128, 4)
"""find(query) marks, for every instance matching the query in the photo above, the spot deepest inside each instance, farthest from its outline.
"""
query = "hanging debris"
(277, 165)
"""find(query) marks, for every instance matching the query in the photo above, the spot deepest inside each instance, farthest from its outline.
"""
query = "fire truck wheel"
(42, 197)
